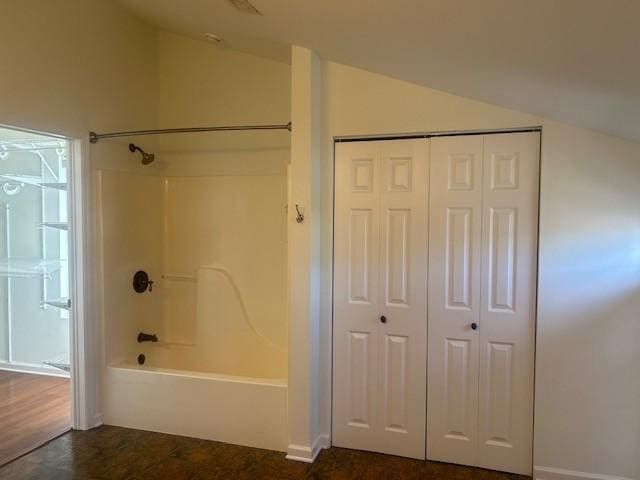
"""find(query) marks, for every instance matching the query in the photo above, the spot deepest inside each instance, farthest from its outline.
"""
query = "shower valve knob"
(142, 282)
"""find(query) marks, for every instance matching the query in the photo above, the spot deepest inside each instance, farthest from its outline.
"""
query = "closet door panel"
(507, 319)
(356, 292)
(403, 296)
(380, 264)
(454, 298)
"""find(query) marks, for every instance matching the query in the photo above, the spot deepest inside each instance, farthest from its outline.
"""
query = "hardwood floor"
(115, 453)
(33, 410)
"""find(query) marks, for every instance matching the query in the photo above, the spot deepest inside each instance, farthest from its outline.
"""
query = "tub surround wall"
(129, 226)
(218, 302)
(214, 221)
(185, 228)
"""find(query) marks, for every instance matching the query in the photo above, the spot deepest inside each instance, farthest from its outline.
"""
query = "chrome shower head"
(147, 158)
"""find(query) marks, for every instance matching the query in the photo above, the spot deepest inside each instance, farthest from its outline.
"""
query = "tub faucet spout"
(147, 337)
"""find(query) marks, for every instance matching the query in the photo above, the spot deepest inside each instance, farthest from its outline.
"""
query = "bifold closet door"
(483, 256)
(508, 301)
(380, 324)
(455, 220)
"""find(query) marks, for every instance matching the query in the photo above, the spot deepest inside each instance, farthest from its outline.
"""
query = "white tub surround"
(231, 409)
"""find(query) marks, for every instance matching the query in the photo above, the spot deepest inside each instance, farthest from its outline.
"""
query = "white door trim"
(82, 335)
(84, 382)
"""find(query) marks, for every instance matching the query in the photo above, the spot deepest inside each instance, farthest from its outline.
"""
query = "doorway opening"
(35, 290)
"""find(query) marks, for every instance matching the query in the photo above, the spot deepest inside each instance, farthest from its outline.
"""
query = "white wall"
(71, 66)
(587, 386)
(589, 274)
(304, 397)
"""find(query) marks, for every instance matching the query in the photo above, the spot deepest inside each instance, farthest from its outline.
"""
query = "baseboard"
(32, 368)
(303, 453)
(549, 473)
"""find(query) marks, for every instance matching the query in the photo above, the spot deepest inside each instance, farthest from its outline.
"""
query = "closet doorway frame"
(82, 345)
(426, 135)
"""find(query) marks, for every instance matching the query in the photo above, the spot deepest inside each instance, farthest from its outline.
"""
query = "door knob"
(383, 319)
(474, 326)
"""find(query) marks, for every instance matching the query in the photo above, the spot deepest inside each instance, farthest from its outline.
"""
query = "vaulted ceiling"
(576, 61)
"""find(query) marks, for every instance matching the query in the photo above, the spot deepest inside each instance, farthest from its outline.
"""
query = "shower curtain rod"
(94, 137)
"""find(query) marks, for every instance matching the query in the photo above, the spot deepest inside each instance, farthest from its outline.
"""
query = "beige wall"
(202, 84)
(587, 327)
(71, 66)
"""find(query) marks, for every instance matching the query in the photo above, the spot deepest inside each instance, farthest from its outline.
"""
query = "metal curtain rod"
(94, 137)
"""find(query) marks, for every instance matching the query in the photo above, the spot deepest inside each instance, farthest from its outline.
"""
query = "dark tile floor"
(119, 453)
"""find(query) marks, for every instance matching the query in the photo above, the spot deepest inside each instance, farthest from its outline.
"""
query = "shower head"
(147, 158)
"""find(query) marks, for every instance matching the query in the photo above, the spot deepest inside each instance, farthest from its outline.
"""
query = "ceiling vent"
(244, 6)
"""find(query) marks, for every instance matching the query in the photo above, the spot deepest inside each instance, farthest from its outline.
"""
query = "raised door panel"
(456, 382)
(396, 267)
(396, 388)
(403, 288)
(358, 365)
(507, 319)
(356, 294)
(454, 298)
(458, 258)
(360, 256)
(499, 360)
(501, 266)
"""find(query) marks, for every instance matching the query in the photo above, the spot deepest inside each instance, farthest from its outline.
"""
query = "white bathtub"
(232, 409)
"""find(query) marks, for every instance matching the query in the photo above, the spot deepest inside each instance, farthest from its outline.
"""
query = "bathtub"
(232, 409)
